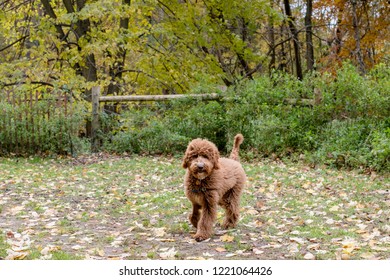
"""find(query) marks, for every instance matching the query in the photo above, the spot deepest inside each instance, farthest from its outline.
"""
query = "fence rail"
(130, 98)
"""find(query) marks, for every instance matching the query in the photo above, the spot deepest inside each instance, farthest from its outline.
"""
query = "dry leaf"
(159, 232)
(293, 248)
(369, 256)
(309, 256)
(257, 251)
(12, 255)
(100, 252)
(207, 254)
(252, 212)
(297, 240)
(50, 248)
(220, 249)
(169, 254)
(227, 238)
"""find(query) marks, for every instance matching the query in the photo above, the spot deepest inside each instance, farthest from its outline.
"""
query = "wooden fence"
(34, 122)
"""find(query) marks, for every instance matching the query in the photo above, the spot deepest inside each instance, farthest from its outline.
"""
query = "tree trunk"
(358, 51)
(294, 33)
(271, 39)
(116, 70)
(309, 36)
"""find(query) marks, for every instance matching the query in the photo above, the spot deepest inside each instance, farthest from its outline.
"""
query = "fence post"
(95, 141)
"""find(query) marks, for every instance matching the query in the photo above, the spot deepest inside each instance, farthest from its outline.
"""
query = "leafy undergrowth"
(106, 207)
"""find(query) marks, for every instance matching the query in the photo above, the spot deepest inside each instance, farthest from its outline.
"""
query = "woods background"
(256, 53)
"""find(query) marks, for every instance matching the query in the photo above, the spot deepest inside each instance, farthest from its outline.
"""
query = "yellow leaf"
(252, 212)
(100, 252)
(258, 223)
(227, 238)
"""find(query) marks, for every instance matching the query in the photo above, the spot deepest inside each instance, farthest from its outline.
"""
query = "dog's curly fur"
(210, 181)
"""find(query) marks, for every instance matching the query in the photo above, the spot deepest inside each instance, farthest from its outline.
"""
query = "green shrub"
(348, 127)
(354, 143)
(380, 152)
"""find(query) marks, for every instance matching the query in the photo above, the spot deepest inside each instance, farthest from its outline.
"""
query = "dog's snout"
(200, 165)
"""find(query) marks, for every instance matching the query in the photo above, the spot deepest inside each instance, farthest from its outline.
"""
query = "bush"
(152, 130)
(380, 152)
(349, 126)
(345, 143)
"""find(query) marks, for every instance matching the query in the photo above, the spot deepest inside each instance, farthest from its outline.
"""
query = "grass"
(108, 207)
(3, 246)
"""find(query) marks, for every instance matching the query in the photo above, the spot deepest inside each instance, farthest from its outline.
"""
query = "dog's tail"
(238, 139)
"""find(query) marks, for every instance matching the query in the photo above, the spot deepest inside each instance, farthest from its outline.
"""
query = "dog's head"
(201, 158)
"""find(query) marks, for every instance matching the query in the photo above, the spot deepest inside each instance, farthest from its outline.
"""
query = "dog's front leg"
(207, 218)
(194, 216)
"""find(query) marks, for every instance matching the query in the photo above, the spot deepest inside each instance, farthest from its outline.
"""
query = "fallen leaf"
(230, 255)
(369, 256)
(313, 247)
(169, 254)
(297, 240)
(227, 238)
(252, 212)
(159, 232)
(50, 248)
(207, 254)
(293, 248)
(100, 252)
(50, 225)
(220, 249)
(309, 256)
(257, 251)
(12, 255)
(258, 223)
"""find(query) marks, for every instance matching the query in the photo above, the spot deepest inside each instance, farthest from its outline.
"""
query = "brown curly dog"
(210, 181)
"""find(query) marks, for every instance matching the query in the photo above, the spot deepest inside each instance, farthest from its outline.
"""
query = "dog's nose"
(200, 165)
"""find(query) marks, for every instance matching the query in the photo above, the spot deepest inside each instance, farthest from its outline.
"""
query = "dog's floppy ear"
(186, 158)
(215, 159)
(185, 161)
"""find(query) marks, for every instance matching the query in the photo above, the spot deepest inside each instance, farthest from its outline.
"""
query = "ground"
(134, 207)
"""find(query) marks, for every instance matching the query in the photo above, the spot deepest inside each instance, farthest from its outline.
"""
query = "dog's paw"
(228, 225)
(201, 237)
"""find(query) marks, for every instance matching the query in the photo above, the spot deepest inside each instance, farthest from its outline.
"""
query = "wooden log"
(118, 98)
